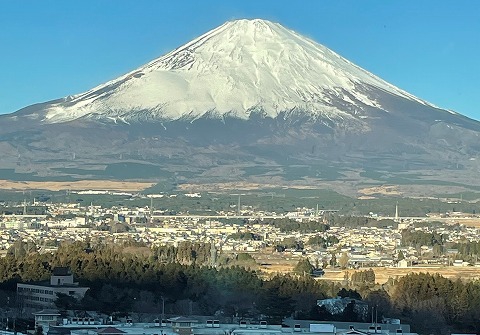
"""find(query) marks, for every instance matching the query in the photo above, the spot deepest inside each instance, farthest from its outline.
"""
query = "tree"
(303, 267)
(364, 277)
(425, 299)
(320, 313)
(333, 260)
(381, 301)
(274, 306)
(349, 313)
(66, 302)
(343, 261)
(344, 293)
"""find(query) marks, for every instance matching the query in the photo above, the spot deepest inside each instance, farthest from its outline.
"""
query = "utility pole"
(163, 310)
(396, 212)
(151, 210)
(238, 205)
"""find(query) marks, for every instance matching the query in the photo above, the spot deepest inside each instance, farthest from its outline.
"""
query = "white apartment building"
(43, 294)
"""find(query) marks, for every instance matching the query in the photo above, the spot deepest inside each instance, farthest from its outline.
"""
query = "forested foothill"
(132, 278)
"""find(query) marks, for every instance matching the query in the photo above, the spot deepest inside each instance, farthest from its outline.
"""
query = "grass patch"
(10, 174)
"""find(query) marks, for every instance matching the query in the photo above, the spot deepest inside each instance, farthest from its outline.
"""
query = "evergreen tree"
(274, 306)
(303, 267)
(349, 314)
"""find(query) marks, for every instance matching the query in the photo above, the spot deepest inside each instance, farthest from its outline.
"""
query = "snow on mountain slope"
(239, 67)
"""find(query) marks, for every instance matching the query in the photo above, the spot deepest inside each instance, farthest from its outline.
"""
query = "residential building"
(43, 294)
(46, 318)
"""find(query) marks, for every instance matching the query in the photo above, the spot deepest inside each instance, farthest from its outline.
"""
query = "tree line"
(131, 278)
(417, 238)
(466, 250)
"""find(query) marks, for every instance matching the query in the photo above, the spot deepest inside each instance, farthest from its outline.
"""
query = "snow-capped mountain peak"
(234, 69)
(249, 101)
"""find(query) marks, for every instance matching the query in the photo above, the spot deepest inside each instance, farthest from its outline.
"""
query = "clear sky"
(50, 49)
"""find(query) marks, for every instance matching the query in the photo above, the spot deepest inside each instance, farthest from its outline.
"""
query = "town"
(242, 229)
(364, 254)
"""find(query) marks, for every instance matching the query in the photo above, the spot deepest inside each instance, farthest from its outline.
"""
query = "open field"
(241, 186)
(473, 222)
(108, 185)
(383, 274)
(284, 263)
(273, 262)
(384, 190)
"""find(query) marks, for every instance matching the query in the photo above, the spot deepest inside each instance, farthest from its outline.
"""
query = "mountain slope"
(249, 100)
(237, 68)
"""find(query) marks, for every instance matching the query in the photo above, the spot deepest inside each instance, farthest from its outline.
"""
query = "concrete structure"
(46, 318)
(205, 326)
(43, 294)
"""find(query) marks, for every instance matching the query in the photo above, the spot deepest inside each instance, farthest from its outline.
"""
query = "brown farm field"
(383, 274)
(109, 185)
(273, 263)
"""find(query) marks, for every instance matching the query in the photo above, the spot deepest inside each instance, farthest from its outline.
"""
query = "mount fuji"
(247, 101)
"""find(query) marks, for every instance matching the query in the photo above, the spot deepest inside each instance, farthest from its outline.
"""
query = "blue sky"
(50, 49)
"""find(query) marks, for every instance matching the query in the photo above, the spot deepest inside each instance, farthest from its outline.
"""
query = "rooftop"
(61, 271)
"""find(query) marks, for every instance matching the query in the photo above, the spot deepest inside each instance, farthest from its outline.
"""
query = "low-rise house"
(46, 318)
